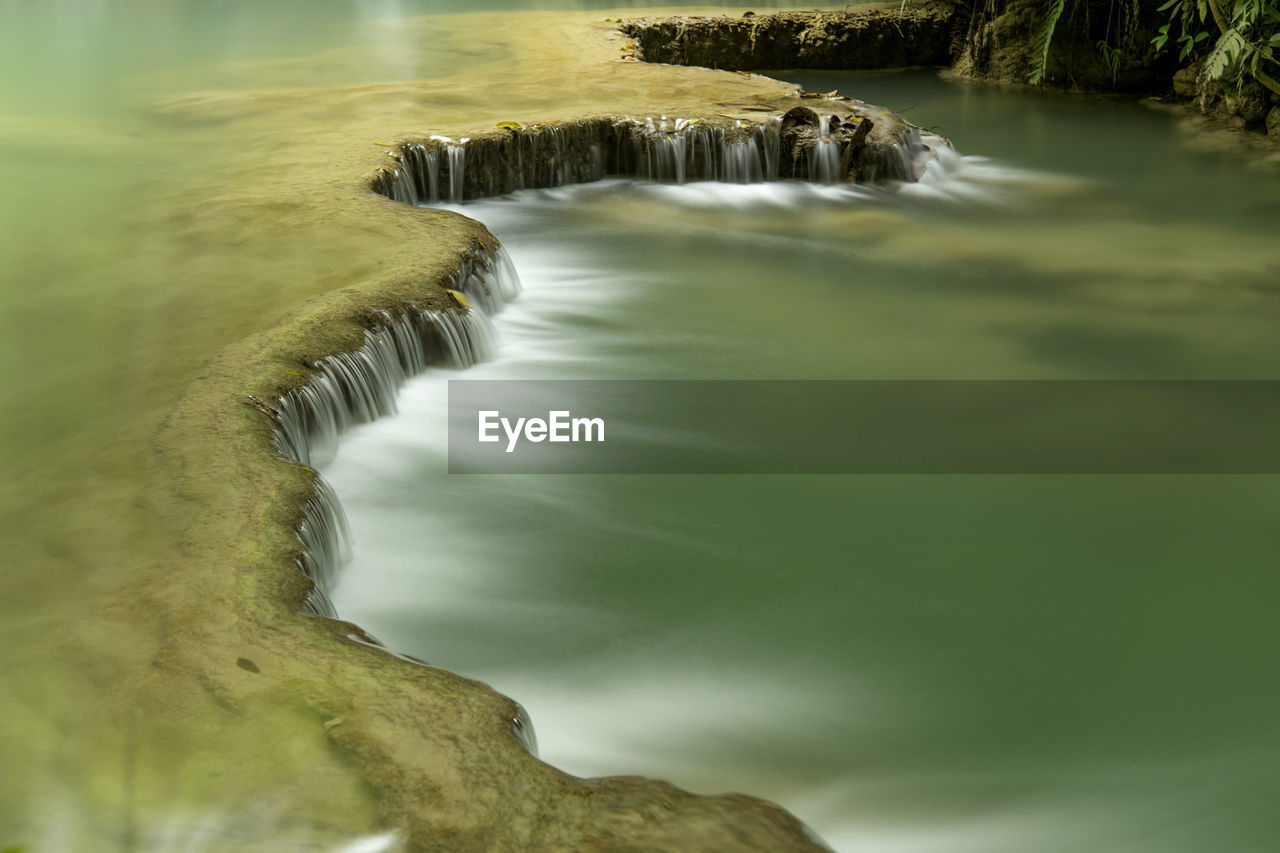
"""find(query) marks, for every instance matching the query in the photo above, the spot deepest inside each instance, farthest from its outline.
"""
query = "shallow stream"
(978, 663)
(908, 663)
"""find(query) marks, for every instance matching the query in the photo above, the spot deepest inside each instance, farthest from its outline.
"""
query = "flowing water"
(907, 662)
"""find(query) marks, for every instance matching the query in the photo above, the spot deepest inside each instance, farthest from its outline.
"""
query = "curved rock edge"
(448, 758)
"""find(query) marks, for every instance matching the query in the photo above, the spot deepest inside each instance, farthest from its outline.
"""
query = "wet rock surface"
(820, 138)
(829, 40)
(992, 42)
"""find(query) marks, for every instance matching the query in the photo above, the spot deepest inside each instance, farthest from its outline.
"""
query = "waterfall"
(355, 387)
(401, 187)
(683, 150)
(769, 138)
(457, 155)
(423, 166)
(662, 149)
(742, 163)
(491, 288)
(559, 157)
(326, 546)
(824, 157)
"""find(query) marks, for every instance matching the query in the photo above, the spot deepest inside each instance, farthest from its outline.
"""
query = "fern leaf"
(1043, 36)
(1224, 54)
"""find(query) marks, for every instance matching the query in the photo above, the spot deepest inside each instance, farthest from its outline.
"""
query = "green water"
(907, 662)
(915, 664)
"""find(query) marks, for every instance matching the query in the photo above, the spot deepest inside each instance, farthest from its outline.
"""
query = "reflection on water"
(908, 663)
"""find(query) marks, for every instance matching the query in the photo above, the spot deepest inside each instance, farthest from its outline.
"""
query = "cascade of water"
(659, 149)
(941, 161)
(494, 287)
(664, 149)
(354, 387)
(423, 165)
(401, 188)
(683, 150)
(907, 159)
(596, 153)
(559, 158)
(824, 158)
(457, 156)
(742, 163)
(769, 138)
(326, 546)
(705, 152)
(917, 152)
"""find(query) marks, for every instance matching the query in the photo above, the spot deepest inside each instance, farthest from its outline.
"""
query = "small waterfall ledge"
(361, 737)
(356, 387)
(820, 139)
(443, 757)
(368, 341)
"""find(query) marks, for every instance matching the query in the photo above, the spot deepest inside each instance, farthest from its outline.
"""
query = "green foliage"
(1117, 24)
(1043, 37)
(1247, 37)
(1110, 58)
(1235, 37)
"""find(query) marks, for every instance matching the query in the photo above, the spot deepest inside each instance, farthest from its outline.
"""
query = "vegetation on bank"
(1228, 40)
(1222, 54)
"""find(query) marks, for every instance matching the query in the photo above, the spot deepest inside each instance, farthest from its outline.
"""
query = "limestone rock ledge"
(847, 40)
(446, 759)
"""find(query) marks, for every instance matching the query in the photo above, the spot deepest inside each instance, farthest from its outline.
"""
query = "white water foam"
(431, 571)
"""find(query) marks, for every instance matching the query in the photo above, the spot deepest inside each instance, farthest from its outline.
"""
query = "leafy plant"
(1043, 37)
(1241, 37)
(1248, 37)
(1111, 58)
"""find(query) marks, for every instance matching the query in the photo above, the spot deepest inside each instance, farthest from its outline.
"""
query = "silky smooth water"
(907, 662)
(161, 165)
